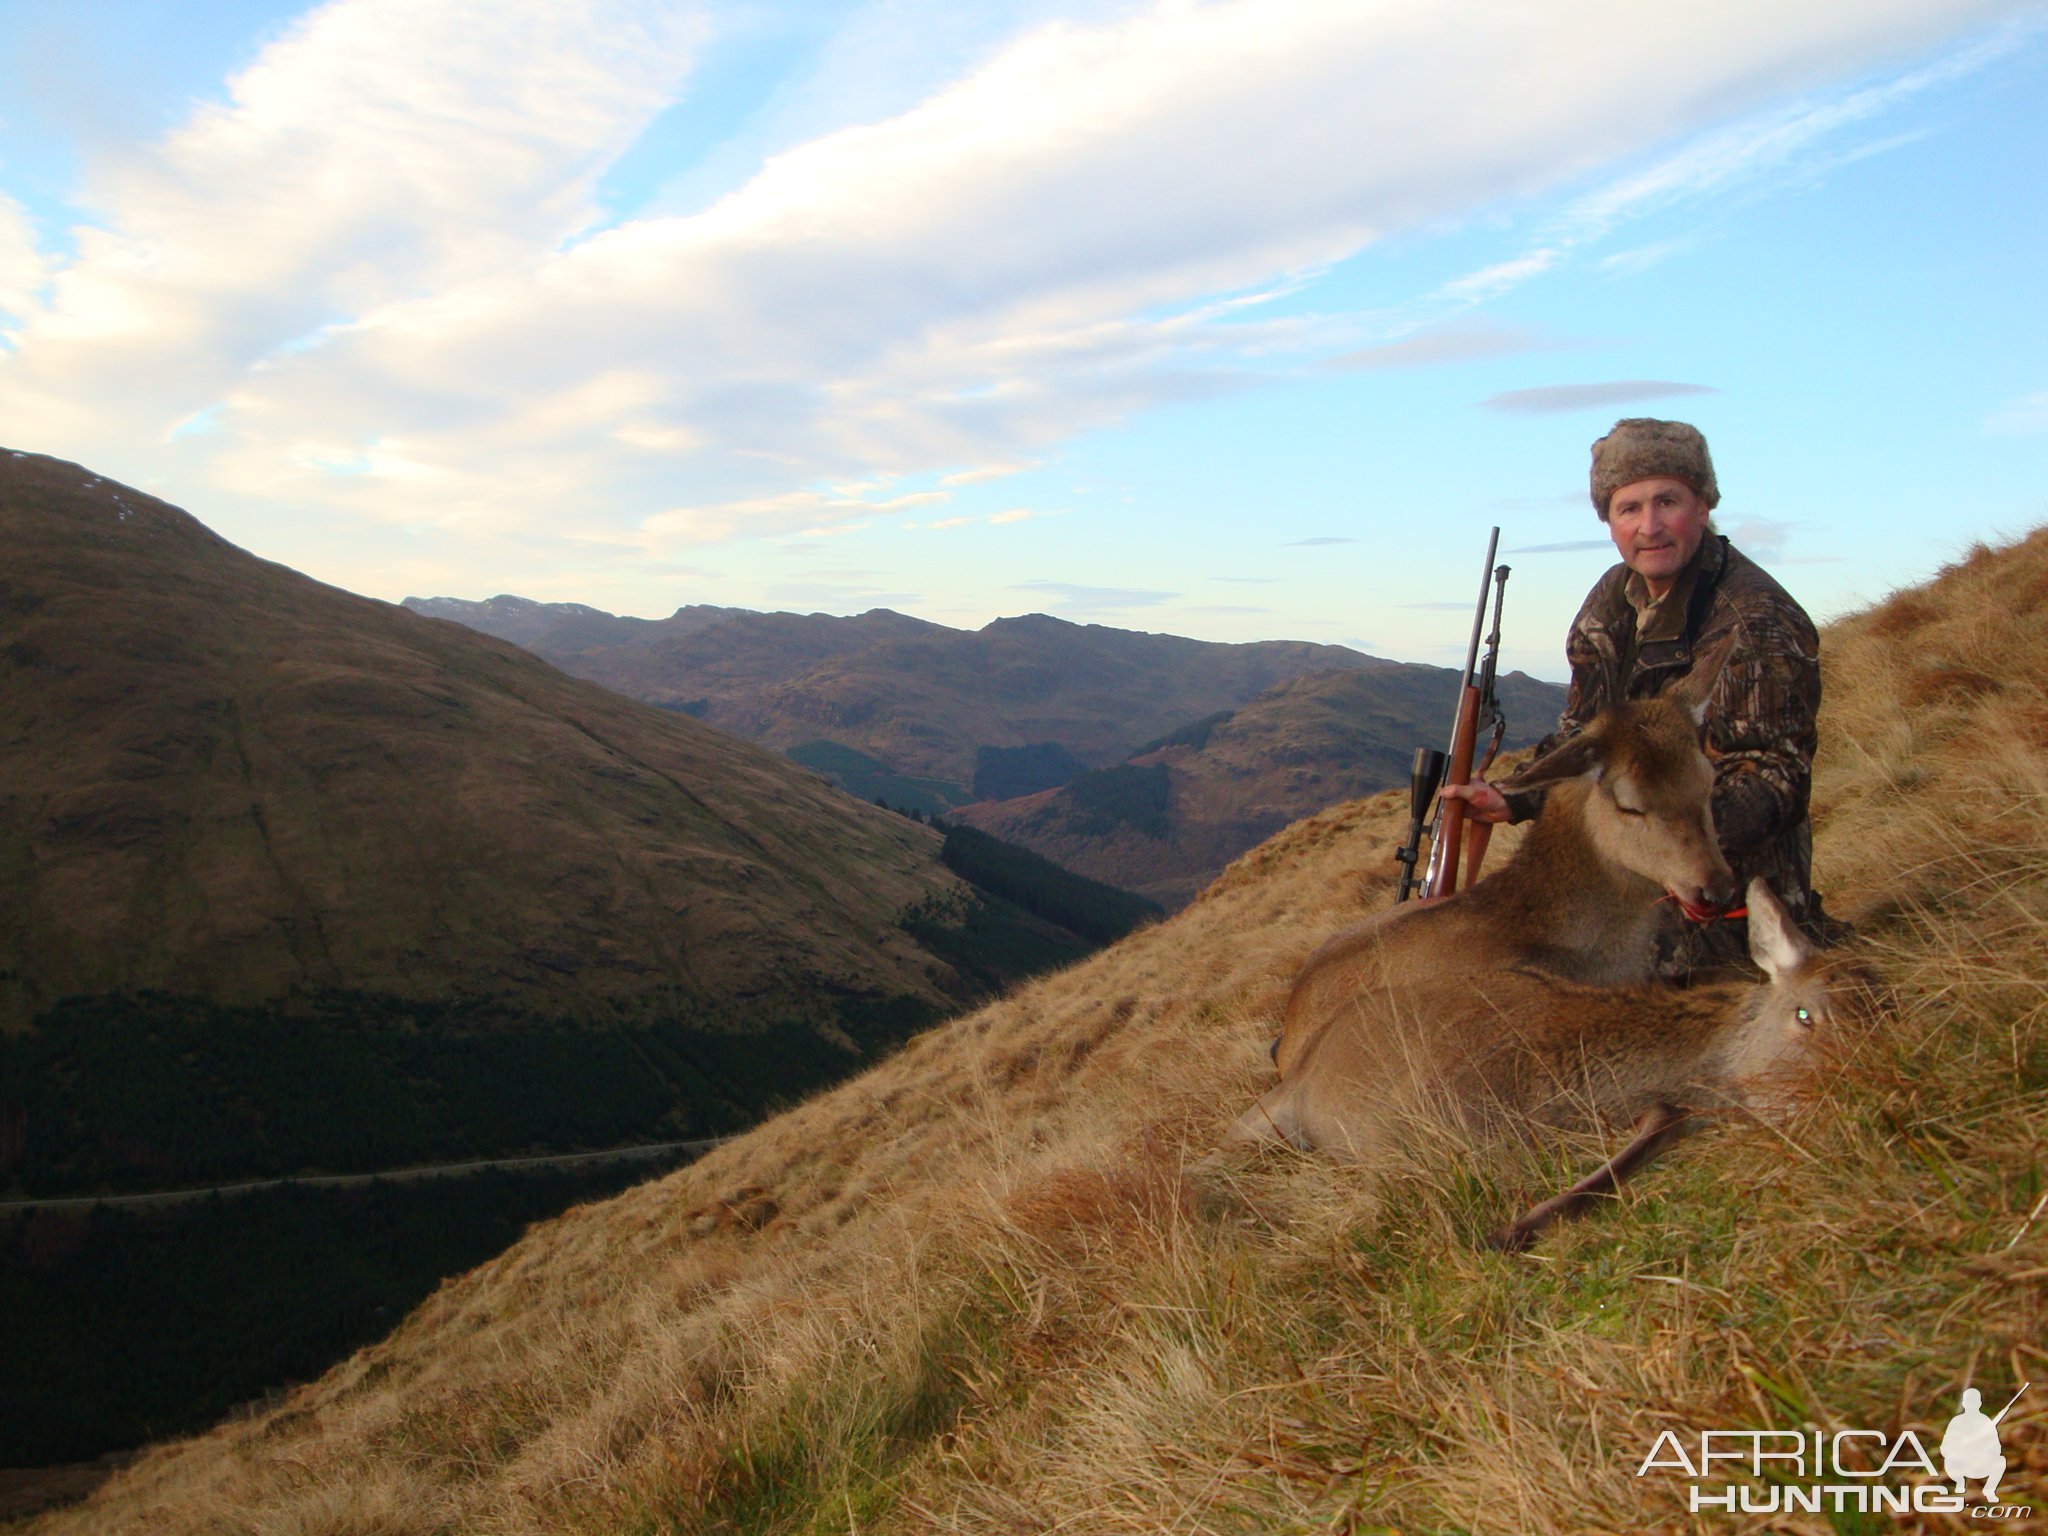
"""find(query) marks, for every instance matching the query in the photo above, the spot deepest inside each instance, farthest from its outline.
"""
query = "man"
(1680, 588)
(1970, 1448)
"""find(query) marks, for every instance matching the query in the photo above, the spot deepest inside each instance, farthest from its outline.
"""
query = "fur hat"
(1642, 448)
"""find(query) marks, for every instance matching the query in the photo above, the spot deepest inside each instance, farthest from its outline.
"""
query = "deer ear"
(1775, 942)
(1695, 691)
(1584, 753)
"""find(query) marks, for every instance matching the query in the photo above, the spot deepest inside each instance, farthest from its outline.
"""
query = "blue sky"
(1237, 320)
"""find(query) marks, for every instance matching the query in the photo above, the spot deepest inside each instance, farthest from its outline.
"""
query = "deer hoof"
(1514, 1238)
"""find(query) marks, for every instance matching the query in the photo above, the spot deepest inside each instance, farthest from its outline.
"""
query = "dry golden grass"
(976, 1291)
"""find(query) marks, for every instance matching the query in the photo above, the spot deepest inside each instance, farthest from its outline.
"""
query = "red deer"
(1520, 1045)
(1626, 822)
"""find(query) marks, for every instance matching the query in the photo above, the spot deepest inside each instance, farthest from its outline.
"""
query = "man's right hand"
(1482, 801)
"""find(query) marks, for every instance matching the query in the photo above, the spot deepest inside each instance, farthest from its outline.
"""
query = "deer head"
(1650, 783)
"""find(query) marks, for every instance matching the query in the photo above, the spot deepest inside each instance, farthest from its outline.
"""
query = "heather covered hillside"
(978, 1289)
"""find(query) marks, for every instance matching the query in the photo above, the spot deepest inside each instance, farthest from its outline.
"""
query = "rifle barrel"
(1478, 629)
(1447, 833)
(2015, 1398)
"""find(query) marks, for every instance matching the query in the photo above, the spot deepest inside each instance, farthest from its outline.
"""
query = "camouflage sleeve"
(1591, 667)
(1761, 734)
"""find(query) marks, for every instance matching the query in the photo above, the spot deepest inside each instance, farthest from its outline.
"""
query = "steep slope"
(1168, 820)
(976, 1291)
(221, 776)
(963, 712)
(224, 786)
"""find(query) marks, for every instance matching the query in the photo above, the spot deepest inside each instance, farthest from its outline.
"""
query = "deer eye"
(1630, 810)
(1802, 1015)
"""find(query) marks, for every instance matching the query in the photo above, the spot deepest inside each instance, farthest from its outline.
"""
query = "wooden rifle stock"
(1478, 832)
(1476, 835)
(1455, 838)
(1450, 831)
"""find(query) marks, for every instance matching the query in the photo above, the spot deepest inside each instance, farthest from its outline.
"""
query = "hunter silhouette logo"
(1969, 1447)
(1866, 1471)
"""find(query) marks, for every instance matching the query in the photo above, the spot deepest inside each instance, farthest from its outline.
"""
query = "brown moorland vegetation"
(975, 1291)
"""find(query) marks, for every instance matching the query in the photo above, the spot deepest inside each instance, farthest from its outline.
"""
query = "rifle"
(1478, 710)
(2008, 1407)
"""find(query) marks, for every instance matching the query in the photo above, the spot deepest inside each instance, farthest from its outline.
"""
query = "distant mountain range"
(1045, 732)
(291, 878)
(1165, 821)
(916, 713)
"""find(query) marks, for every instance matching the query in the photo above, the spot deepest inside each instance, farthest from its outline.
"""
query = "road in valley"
(352, 1180)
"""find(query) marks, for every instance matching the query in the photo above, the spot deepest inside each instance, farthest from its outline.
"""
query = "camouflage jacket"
(1760, 730)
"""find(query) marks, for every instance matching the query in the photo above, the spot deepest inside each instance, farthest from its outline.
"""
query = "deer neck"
(1598, 911)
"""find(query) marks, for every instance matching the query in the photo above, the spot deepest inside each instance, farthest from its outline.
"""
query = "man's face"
(1657, 526)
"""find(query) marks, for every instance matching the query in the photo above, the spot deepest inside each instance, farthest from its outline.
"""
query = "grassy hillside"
(976, 1290)
(227, 780)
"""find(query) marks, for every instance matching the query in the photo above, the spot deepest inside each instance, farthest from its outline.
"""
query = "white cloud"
(985, 472)
(1578, 397)
(1781, 144)
(1778, 142)
(2023, 417)
(1076, 598)
(805, 514)
(380, 150)
(1640, 258)
(1463, 340)
(376, 257)
(23, 269)
(1763, 537)
(993, 519)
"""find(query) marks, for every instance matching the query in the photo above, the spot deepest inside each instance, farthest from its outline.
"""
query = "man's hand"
(1482, 801)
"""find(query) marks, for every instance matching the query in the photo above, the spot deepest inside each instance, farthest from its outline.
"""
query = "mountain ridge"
(1227, 782)
(923, 698)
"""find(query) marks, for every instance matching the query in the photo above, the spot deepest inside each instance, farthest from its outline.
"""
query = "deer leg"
(1271, 1118)
(1654, 1131)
